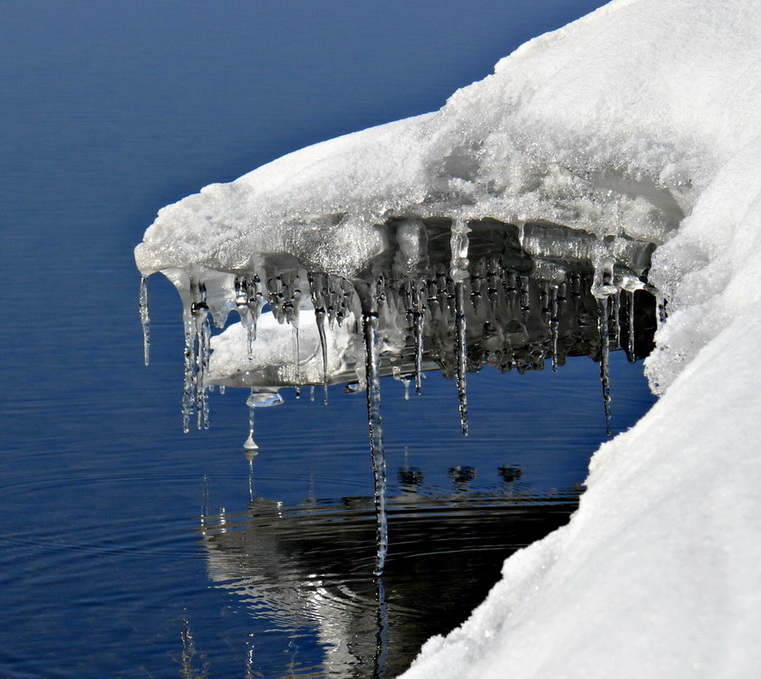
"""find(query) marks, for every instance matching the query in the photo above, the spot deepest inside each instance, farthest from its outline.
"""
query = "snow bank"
(656, 575)
(641, 120)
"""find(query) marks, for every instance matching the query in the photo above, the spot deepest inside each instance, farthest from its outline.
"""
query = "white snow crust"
(644, 119)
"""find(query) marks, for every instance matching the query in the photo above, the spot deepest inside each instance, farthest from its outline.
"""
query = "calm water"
(134, 550)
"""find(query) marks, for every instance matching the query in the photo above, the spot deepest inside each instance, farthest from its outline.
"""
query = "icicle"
(615, 314)
(203, 339)
(630, 354)
(188, 389)
(145, 320)
(297, 376)
(554, 324)
(604, 359)
(250, 337)
(418, 322)
(319, 288)
(459, 273)
(375, 427)
(253, 305)
(461, 353)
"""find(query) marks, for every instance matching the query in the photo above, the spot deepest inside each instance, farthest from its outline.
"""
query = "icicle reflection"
(306, 567)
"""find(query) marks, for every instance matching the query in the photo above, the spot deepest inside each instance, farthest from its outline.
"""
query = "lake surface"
(134, 550)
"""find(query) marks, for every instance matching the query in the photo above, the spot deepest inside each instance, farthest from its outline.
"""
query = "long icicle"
(554, 324)
(461, 353)
(203, 334)
(459, 272)
(253, 308)
(188, 389)
(319, 316)
(418, 321)
(318, 284)
(615, 314)
(630, 353)
(297, 350)
(145, 320)
(375, 427)
(603, 322)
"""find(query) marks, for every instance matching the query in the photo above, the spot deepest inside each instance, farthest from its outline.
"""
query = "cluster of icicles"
(468, 294)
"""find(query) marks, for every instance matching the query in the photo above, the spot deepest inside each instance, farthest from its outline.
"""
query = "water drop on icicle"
(145, 320)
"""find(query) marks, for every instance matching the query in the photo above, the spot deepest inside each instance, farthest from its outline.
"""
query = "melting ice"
(474, 294)
(449, 295)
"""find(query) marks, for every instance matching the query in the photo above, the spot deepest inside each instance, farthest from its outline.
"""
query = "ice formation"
(636, 126)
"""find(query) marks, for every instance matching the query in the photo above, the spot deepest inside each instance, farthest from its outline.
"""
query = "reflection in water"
(193, 664)
(308, 567)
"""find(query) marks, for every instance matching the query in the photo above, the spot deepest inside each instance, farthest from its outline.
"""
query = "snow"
(272, 360)
(642, 120)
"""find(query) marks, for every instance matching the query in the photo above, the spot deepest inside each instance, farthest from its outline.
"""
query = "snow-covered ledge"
(642, 119)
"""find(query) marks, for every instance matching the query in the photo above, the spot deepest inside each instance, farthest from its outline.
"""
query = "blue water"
(114, 519)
